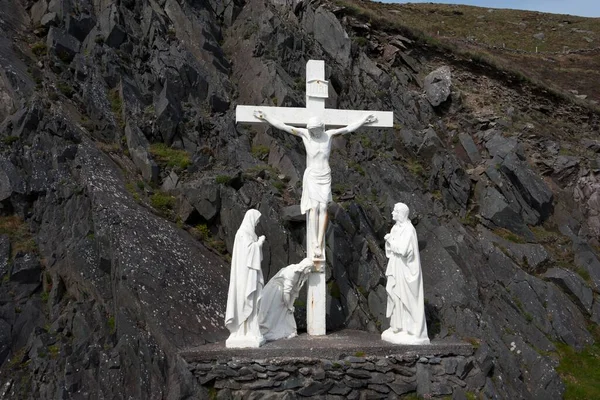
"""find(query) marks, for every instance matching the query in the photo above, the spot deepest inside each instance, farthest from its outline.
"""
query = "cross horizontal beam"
(297, 116)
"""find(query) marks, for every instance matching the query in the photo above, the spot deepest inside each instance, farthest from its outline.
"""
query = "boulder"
(293, 214)
(137, 144)
(448, 176)
(574, 285)
(26, 268)
(512, 195)
(496, 212)
(586, 259)
(499, 146)
(470, 148)
(79, 26)
(329, 33)
(205, 196)
(62, 44)
(565, 167)
(49, 19)
(533, 189)
(437, 85)
(114, 34)
(533, 257)
(168, 113)
(10, 180)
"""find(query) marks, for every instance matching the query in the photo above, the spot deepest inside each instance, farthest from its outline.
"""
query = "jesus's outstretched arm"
(278, 124)
(354, 126)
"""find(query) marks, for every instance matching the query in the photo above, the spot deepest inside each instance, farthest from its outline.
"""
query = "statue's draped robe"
(405, 305)
(276, 320)
(246, 281)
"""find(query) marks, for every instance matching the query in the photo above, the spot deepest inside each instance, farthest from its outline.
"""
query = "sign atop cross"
(318, 148)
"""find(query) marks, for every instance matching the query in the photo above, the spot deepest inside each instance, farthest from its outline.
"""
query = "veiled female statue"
(245, 285)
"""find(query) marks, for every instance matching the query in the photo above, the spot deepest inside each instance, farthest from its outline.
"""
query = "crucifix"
(316, 183)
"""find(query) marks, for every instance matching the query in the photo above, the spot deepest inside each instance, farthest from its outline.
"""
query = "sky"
(584, 8)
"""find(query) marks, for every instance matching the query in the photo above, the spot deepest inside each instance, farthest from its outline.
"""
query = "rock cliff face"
(123, 179)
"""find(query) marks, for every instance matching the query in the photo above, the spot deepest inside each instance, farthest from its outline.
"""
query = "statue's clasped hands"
(261, 240)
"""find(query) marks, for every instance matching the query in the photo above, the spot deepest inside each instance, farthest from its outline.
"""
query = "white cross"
(316, 93)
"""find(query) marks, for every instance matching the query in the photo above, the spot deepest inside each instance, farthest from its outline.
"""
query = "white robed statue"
(245, 285)
(276, 313)
(406, 303)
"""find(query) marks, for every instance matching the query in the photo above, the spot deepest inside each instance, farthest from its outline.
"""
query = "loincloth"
(316, 188)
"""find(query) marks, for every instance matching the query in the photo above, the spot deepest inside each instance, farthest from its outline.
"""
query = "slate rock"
(137, 144)
(499, 146)
(26, 268)
(533, 189)
(574, 285)
(114, 33)
(293, 214)
(451, 179)
(565, 167)
(62, 44)
(328, 32)
(315, 388)
(168, 115)
(567, 321)
(531, 256)
(430, 144)
(423, 380)
(470, 148)
(49, 19)
(400, 387)
(596, 311)
(437, 85)
(4, 254)
(79, 26)
(586, 259)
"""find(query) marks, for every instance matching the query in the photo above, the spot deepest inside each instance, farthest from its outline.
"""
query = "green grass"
(116, 105)
(44, 297)
(357, 167)
(415, 168)
(18, 233)
(65, 89)
(469, 220)
(580, 371)
(557, 244)
(9, 140)
(39, 49)
(54, 350)
(508, 235)
(202, 231)
(223, 179)
(334, 290)
(162, 201)
(112, 325)
(167, 156)
(260, 152)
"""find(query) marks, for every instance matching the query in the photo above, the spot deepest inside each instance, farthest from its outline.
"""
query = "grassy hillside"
(561, 52)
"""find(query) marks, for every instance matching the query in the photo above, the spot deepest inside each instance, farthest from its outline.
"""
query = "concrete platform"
(334, 346)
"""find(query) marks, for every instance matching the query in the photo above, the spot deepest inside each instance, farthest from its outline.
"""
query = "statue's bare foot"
(317, 252)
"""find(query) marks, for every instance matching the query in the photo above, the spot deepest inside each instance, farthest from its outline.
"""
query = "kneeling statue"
(276, 313)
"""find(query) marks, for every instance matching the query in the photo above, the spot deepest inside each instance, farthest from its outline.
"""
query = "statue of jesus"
(316, 183)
